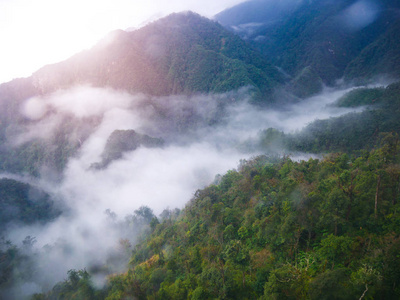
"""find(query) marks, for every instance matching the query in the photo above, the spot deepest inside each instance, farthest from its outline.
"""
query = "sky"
(40, 32)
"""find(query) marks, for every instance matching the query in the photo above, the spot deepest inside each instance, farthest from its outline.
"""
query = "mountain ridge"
(168, 56)
(324, 35)
(183, 54)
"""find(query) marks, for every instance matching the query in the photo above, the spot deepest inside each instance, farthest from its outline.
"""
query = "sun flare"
(35, 33)
(43, 32)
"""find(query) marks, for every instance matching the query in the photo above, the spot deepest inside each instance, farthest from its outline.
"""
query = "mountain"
(331, 37)
(351, 132)
(122, 141)
(380, 57)
(25, 204)
(182, 53)
(250, 17)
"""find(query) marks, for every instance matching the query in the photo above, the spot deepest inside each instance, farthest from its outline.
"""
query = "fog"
(203, 134)
(359, 15)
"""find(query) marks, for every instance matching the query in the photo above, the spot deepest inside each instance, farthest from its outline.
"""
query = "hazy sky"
(35, 33)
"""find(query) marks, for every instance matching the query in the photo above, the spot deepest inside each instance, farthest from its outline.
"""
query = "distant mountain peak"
(181, 53)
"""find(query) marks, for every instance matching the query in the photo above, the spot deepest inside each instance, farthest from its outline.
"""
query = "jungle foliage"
(277, 229)
(348, 133)
(317, 34)
(24, 203)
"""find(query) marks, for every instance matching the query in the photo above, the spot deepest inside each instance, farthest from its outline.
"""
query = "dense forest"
(272, 229)
(180, 54)
(348, 133)
(277, 228)
(350, 38)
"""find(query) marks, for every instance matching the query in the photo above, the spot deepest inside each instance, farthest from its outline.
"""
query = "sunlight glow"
(35, 33)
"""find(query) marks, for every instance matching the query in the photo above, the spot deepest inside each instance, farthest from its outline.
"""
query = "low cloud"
(202, 133)
(359, 15)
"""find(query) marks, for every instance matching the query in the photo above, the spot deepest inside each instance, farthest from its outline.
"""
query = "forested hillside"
(25, 203)
(380, 57)
(182, 53)
(349, 133)
(334, 38)
(273, 229)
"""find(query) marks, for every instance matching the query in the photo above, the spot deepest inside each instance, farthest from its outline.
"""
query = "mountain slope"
(324, 35)
(250, 17)
(23, 203)
(274, 229)
(349, 133)
(179, 54)
(182, 53)
(380, 57)
(122, 141)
